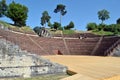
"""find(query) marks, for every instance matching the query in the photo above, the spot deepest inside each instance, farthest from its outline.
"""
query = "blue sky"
(80, 12)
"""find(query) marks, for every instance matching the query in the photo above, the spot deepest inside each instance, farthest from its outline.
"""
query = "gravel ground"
(96, 67)
(113, 78)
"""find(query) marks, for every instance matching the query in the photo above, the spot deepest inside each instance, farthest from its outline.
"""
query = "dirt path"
(97, 68)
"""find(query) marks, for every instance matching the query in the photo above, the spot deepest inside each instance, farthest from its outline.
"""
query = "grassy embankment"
(27, 29)
(24, 29)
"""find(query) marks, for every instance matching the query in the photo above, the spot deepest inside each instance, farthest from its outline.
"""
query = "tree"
(118, 21)
(37, 30)
(103, 15)
(91, 26)
(68, 27)
(50, 24)
(60, 8)
(45, 18)
(17, 13)
(3, 8)
(56, 25)
(101, 27)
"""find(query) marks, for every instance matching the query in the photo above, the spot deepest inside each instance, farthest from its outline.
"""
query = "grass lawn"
(16, 28)
(102, 32)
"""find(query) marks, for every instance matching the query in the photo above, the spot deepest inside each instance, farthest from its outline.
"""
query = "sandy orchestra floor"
(90, 67)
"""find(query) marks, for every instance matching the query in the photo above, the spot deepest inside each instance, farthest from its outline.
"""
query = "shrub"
(91, 26)
(101, 26)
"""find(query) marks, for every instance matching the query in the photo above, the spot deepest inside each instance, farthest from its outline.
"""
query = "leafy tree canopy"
(103, 15)
(56, 25)
(17, 13)
(68, 27)
(60, 8)
(45, 18)
(91, 26)
(50, 24)
(37, 30)
(118, 21)
(3, 8)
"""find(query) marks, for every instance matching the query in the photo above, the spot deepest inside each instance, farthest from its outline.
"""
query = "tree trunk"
(45, 24)
(102, 21)
(14, 22)
(60, 19)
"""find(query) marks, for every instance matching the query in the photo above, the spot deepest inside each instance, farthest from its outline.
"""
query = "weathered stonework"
(43, 32)
(116, 51)
(17, 63)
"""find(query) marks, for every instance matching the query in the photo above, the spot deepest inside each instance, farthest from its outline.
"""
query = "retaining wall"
(15, 62)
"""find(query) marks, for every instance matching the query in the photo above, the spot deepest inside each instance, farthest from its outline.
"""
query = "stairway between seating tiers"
(47, 46)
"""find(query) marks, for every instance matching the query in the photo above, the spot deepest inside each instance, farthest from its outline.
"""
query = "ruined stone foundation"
(15, 62)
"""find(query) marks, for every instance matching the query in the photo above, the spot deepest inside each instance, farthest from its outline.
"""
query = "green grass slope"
(24, 29)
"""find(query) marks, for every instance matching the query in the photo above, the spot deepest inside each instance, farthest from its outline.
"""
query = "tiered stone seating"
(52, 46)
(77, 35)
(105, 44)
(82, 46)
(22, 40)
(38, 45)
